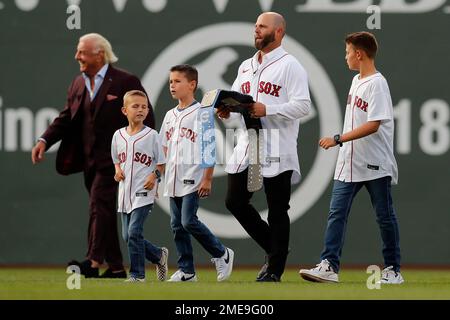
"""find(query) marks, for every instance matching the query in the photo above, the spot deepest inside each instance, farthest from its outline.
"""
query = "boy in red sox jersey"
(138, 161)
(366, 159)
(186, 181)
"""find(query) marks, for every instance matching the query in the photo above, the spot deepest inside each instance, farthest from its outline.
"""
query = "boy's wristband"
(337, 139)
(157, 174)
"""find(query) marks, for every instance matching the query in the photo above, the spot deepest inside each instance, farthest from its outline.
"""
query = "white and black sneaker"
(224, 264)
(162, 267)
(323, 272)
(262, 272)
(180, 276)
(389, 276)
(134, 279)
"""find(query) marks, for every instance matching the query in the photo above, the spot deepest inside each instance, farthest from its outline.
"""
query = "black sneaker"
(114, 275)
(85, 268)
(269, 277)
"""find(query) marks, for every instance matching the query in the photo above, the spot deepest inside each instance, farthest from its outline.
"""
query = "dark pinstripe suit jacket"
(107, 119)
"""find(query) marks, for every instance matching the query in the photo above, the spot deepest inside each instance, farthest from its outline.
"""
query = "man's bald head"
(276, 20)
(270, 29)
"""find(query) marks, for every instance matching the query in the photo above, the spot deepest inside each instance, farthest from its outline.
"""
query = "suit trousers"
(103, 240)
(273, 235)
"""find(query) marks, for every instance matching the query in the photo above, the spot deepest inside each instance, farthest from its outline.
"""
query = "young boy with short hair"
(139, 160)
(186, 181)
(366, 159)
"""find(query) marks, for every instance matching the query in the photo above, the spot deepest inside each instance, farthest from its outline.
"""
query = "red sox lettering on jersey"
(264, 87)
(122, 157)
(281, 84)
(137, 156)
(188, 134)
(169, 133)
(143, 158)
(245, 87)
(183, 133)
(360, 103)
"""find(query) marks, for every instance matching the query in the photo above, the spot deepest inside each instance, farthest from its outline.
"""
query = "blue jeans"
(341, 202)
(184, 222)
(138, 247)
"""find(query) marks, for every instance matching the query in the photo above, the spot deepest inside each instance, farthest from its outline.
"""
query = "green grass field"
(40, 283)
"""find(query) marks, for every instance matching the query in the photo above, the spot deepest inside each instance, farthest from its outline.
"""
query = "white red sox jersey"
(371, 157)
(138, 156)
(281, 83)
(179, 133)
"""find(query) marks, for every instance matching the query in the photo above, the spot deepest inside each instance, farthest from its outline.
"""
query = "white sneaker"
(323, 272)
(180, 276)
(133, 279)
(162, 267)
(389, 276)
(224, 264)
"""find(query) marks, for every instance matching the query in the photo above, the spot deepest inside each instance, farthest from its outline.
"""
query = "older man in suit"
(85, 127)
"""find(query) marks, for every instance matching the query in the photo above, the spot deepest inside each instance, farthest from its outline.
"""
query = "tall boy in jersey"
(185, 181)
(138, 160)
(366, 158)
(279, 85)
